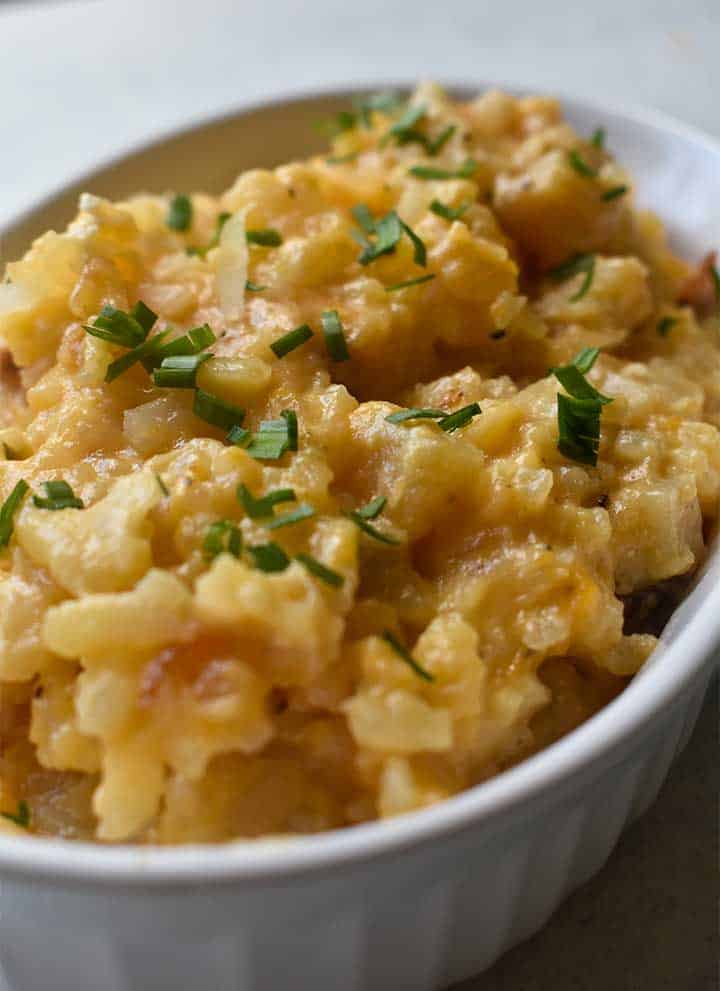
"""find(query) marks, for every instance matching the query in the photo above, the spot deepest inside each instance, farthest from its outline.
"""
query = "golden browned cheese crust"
(151, 693)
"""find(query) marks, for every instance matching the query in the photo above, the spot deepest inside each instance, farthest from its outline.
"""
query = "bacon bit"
(699, 289)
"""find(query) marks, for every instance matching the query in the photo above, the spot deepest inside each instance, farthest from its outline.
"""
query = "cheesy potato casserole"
(334, 495)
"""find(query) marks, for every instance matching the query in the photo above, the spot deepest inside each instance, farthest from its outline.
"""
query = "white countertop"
(82, 80)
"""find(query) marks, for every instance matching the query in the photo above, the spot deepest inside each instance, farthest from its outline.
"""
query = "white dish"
(422, 900)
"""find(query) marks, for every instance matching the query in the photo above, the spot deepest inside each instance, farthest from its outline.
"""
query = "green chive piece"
(8, 510)
(293, 339)
(715, 276)
(302, 512)
(598, 137)
(275, 437)
(436, 145)
(579, 411)
(238, 436)
(468, 168)
(180, 212)
(403, 130)
(21, 817)
(384, 102)
(388, 231)
(460, 418)
(576, 265)
(371, 531)
(334, 336)
(361, 213)
(179, 372)
(403, 415)
(410, 282)
(257, 509)
(224, 536)
(372, 509)
(448, 212)
(143, 353)
(216, 411)
(254, 287)
(195, 341)
(58, 495)
(161, 485)
(580, 165)
(405, 655)
(269, 557)
(124, 329)
(419, 252)
(342, 159)
(614, 193)
(320, 570)
(665, 325)
(268, 237)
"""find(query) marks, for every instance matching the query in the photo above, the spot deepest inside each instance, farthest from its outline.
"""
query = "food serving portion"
(339, 493)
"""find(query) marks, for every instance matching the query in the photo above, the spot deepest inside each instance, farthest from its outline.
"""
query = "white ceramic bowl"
(425, 899)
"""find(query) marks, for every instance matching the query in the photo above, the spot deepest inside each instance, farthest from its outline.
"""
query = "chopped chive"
(58, 495)
(371, 531)
(238, 436)
(302, 512)
(124, 329)
(580, 165)
(665, 325)
(8, 510)
(361, 213)
(274, 437)
(293, 339)
(180, 211)
(468, 168)
(403, 130)
(405, 655)
(388, 231)
(435, 145)
(372, 509)
(342, 159)
(269, 557)
(195, 341)
(598, 137)
(614, 193)
(21, 817)
(268, 237)
(334, 336)
(144, 353)
(579, 411)
(582, 263)
(410, 282)
(384, 102)
(179, 372)
(344, 120)
(320, 570)
(419, 252)
(216, 411)
(448, 212)
(460, 418)
(224, 536)
(416, 414)
(161, 484)
(715, 276)
(253, 287)
(264, 506)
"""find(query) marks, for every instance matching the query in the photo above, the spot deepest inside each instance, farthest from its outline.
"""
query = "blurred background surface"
(81, 81)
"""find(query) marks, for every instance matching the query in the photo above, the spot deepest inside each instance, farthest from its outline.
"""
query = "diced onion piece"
(230, 262)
